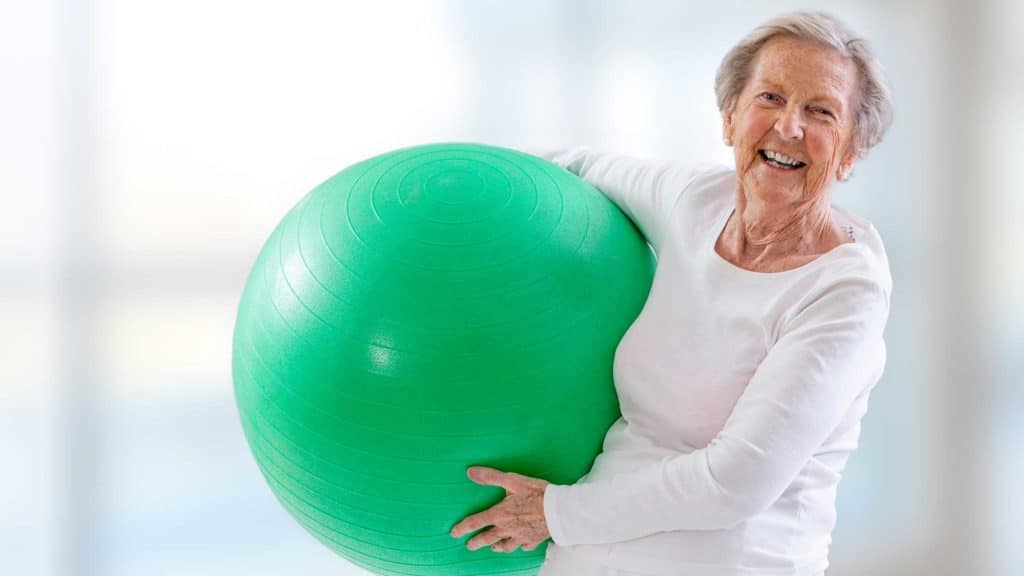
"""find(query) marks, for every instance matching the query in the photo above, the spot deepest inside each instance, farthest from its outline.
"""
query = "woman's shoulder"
(866, 258)
(851, 280)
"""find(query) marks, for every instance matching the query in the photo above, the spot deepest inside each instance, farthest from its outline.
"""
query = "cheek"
(823, 146)
(754, 126)
(750, 130)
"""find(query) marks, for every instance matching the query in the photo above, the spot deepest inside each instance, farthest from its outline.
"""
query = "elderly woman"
(743, 381)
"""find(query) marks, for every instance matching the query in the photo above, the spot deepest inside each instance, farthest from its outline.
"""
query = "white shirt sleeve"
(829, 352)
(645, 191)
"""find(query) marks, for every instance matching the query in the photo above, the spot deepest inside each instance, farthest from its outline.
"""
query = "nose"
(789, 124)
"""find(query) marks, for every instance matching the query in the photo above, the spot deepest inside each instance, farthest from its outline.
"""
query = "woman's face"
(799, 102)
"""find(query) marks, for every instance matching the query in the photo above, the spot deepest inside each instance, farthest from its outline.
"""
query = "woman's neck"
(767, 238)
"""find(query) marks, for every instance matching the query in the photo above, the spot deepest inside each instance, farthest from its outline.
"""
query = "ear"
(845, 169)
(727, 126)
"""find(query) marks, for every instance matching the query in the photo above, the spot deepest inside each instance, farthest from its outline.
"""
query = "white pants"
(573, 562)
(586, 561)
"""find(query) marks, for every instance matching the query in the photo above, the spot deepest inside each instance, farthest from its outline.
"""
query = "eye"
(769, 97)
(825, 111)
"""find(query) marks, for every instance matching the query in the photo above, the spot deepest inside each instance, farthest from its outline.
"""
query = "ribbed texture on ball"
(422, 311)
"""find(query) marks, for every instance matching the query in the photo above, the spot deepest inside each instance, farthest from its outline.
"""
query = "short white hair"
(874, 103)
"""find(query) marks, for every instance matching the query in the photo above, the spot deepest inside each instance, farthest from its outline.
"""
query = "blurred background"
(147, 149)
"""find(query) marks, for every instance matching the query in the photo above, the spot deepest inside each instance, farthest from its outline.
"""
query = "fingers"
(499, 539)
(510, 481)
(488, 476)
(473, 523)
(489, 538)
(506, 545)
(511, 544)
(519, 515)
(497, 543)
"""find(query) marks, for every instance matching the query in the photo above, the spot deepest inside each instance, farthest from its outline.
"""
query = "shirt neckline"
(723, 219)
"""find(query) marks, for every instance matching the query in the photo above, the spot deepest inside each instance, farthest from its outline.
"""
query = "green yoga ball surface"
(420, 312)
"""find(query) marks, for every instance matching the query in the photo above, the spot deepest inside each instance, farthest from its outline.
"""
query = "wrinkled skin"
(800, 100)
(517, 521)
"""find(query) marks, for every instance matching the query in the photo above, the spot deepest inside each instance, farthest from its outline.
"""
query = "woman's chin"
(774, 189)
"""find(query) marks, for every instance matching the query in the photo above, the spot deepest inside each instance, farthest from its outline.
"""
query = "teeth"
(781, 158)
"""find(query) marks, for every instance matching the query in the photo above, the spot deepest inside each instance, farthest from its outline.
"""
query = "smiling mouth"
(779, 165)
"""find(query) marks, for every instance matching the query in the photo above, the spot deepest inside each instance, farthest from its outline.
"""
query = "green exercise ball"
(423, 311)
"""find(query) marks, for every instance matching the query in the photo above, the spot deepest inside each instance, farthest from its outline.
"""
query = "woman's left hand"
(518, 520)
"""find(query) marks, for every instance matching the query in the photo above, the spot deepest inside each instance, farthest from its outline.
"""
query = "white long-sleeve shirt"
(741, 392)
